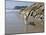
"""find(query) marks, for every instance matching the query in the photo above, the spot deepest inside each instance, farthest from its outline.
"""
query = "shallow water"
(14, 22)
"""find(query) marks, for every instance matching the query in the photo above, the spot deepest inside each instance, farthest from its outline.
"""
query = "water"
(14, 22)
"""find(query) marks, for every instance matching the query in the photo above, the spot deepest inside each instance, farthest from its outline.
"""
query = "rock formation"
(36, 11)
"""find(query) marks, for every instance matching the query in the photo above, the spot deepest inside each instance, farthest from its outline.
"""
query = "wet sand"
(15, 24)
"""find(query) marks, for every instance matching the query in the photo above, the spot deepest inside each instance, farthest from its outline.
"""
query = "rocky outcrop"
(36, 11)
(19, 7)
